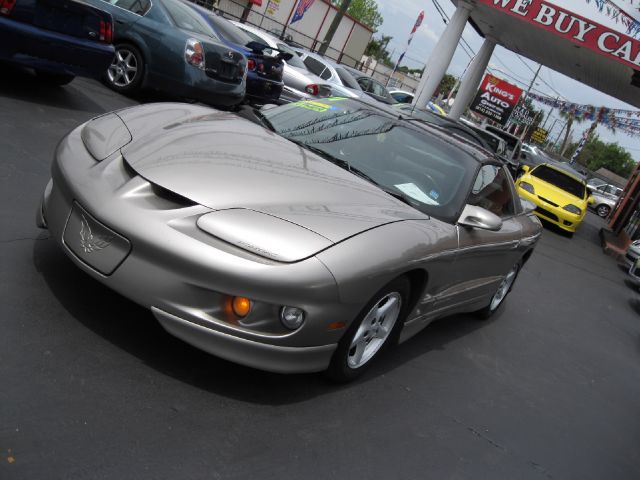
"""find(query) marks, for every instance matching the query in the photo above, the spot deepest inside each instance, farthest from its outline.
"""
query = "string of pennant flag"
(627, 121)
(617, 14)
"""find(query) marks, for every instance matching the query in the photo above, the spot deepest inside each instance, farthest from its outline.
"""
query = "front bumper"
(51, 51)
(552, 214)
(184, 275)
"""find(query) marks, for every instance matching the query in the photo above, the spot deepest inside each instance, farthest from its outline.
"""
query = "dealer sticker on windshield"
(314, 106)
(412, 190)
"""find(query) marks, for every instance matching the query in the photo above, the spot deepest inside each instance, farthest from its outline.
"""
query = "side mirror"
(525, 168)
(527, 206)
(591, 200)
(478, 217)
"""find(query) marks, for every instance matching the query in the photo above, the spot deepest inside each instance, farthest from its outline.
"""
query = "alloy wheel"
(374, 330)
(602, 210)
(503, 289)
(123, 69)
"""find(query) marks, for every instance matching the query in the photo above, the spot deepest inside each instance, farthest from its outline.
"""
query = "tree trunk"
(565, 142)
(334, 27)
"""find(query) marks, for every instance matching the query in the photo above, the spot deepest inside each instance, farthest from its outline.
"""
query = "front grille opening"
(172, 197)
(548, 201)
(547, 214)
(175, 199)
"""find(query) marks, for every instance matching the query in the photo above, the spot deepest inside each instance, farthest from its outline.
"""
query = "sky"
(400, 15)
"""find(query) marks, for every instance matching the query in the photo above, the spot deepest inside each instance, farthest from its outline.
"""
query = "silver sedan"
(305, 243)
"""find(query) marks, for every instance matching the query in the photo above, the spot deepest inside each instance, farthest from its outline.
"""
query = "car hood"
(222, 161)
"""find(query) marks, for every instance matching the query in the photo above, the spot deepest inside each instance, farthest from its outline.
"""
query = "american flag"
(303, 6)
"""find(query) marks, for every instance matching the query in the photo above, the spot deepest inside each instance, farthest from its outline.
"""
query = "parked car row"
(172, 46)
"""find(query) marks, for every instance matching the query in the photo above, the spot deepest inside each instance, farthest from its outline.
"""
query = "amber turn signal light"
(241, 306)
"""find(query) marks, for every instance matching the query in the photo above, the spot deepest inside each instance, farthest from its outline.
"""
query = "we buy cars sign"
(496, 99)
(573, 27)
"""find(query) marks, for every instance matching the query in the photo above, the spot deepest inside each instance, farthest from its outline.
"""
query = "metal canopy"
(560, 54)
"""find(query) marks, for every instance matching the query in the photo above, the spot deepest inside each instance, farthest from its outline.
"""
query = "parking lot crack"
(22, 239)
(500, 447)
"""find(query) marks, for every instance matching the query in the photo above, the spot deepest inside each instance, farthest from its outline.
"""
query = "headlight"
(572, 209)
(527, 187)
(292, 317)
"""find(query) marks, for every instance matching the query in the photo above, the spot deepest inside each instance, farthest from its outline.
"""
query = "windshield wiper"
(356, 171)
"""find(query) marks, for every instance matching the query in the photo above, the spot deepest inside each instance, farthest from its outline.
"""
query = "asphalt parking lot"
(92, 387)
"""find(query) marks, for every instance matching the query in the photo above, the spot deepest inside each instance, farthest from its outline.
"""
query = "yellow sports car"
(560, 197)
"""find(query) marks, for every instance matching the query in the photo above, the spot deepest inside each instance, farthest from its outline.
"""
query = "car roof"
(256, 31)
(442, 122)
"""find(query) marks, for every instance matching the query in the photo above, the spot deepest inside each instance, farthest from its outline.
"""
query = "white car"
(605, 197)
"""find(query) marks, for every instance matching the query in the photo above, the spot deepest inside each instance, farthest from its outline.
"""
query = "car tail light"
(251, 64)
(312, 89)
(194, 53)
(261, 67)
(6, 6)
(106, 31)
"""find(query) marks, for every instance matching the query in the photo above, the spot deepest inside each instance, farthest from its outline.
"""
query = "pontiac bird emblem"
(230, 55)
(88, 241)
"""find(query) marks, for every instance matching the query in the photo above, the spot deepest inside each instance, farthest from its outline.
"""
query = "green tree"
(446, 84)
(598, 154)
(378, 49)
(365, 11)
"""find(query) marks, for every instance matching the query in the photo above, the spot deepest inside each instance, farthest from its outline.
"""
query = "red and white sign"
(573, 27)
(496, 99)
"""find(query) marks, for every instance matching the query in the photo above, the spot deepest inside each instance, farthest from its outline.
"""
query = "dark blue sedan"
(59, 39)
(165, 45)
(264, 72)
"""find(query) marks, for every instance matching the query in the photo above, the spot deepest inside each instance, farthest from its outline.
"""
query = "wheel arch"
(418, 279)
(526, 257)
(137, 42)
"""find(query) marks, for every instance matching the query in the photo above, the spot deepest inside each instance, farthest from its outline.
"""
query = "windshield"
(560, 180)
(186, 18)
(428, 172)
(229, 31)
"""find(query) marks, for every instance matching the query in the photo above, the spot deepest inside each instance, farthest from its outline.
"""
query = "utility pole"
(526, 128)
(344, 6)
(549, 114)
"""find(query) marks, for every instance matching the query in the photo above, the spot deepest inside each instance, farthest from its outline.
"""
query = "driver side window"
(491, 191)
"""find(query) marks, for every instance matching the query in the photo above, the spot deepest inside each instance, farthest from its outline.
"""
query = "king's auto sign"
(573, 27)
(496, 99)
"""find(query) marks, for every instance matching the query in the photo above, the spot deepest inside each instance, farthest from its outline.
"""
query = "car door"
(485, 256)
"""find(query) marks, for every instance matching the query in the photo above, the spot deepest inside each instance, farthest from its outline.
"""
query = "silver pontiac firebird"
(303, 239)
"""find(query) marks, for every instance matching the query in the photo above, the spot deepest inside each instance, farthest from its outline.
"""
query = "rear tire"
(501, 293)
(56, 79)
(126, 71)
(376, 326)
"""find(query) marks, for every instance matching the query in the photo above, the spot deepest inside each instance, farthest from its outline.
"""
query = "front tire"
(603, 210)
(500, 294)
(126, 71)
(373, 329)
